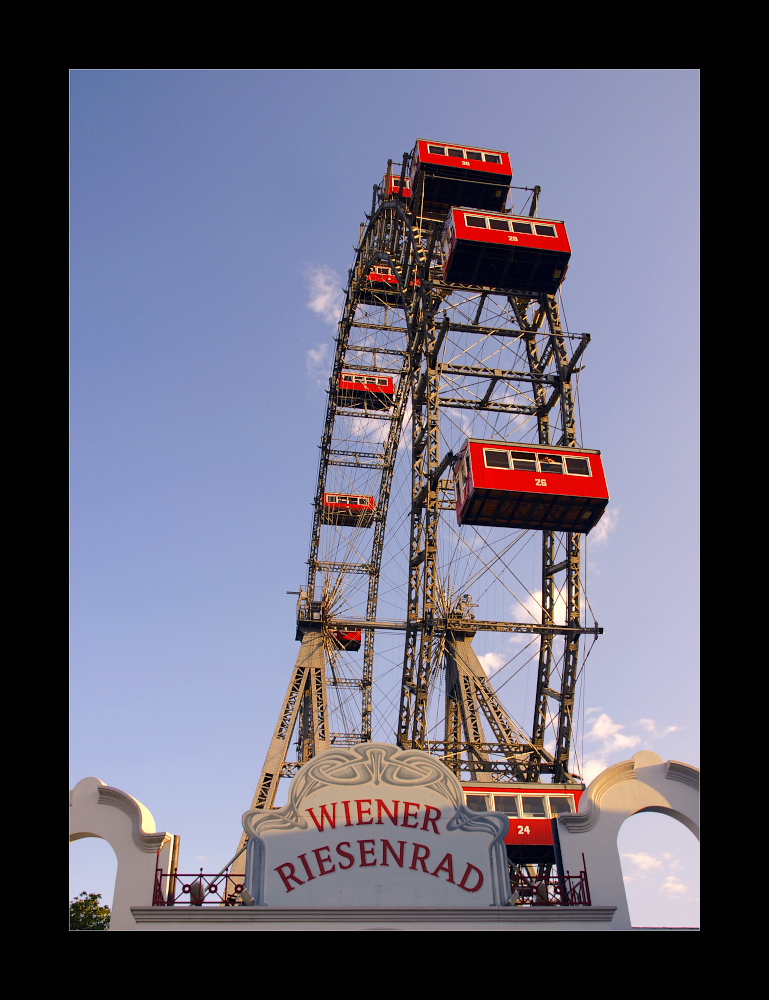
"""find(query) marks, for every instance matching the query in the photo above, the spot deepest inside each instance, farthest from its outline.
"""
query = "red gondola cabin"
(381, 285)
(349, 641)
(545, 488)
(364, 390)
(391, 185)
(347, 509)
(446, 175)
(511, 252)
(531, 809)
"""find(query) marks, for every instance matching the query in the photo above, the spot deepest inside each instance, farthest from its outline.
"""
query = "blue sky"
(211, 216)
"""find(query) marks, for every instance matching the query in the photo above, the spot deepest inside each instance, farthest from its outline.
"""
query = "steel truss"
(466, 361)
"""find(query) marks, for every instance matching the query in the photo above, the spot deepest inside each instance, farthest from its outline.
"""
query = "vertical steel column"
(558, 346)
(410, 257)
(570, 665)
(544, 669)
(452, 727)
(429, 466)
(557, 349)
(544, 666)
(416, 554)
(313, 735)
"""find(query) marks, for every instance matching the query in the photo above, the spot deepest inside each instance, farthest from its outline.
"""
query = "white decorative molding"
(646, 783)
(145, 839)
(589, 806)
(98, 810)
(522, 918)
(676, 771)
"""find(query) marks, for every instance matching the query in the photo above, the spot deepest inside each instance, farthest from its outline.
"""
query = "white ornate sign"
(374, 825)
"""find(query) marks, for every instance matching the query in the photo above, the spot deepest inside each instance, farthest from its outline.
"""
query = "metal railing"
(555, 890)
(177, 889)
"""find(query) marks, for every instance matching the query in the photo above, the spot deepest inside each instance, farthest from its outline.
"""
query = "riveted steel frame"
(404, 240)
(422, 654)
(465, 700)
(564, 696)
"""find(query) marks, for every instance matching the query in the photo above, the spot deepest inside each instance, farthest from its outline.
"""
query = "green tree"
(85, 914)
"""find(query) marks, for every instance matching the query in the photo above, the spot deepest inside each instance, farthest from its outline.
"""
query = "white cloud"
(532, 608)
(318, 362)
(592, 767)
(672, 886)
(609, 743)
(605, 527)
(326, 296)
(643, 865)
(491, 662)
(608, 733)
(529, 611)
(646, 862)
(651, 727)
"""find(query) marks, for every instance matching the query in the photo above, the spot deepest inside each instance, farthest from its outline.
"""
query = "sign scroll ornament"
(374, 825)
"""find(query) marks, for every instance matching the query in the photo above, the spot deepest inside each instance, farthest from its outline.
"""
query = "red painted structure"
(543, 487)
(363, 389)
(348, 509)
(392, 185)
(530, 808)
(349, 641)
(459, 175)
(381, 285)
(512, 252)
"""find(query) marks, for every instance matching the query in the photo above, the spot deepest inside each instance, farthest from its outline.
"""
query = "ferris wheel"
(444, 608)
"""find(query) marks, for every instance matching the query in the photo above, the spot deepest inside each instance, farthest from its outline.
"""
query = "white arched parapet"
(644, 784)
(97, 810)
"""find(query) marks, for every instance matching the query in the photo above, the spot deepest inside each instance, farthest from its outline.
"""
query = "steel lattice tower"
(461, 358)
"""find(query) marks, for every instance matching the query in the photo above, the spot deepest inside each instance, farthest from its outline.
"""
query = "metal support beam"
(307, 684)
(468, 685)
